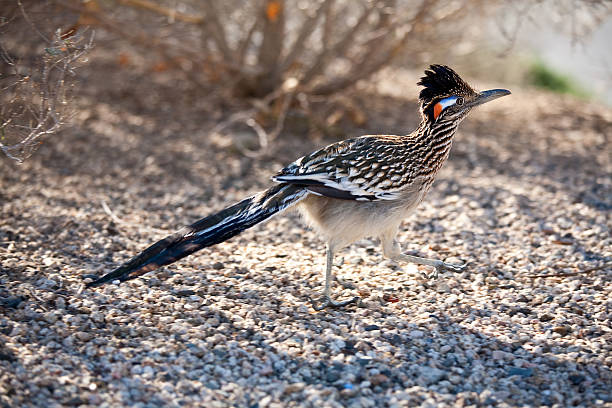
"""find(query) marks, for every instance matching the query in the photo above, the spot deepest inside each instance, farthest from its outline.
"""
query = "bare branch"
(117, 220)
(250, 48)
(164, 11)
(328, 23)
(280, 122)
(513, 34)
(27, 18)
(243, 48)
(373, 61)
(213, 27)
(271, 46)
(606, 266)
(308, 27)
(283, 96)
(339, 48)
(143, 39)
(35, 105)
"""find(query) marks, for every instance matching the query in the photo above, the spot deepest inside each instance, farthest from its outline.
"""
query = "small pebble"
(523, 372)
(524, 200)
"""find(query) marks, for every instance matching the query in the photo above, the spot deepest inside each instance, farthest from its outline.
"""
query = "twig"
(329, 20)
(27, 18)
(511, 37)
(38, 107)
(308, 27)
(271, 47)
(368, 65)
(584, 272)
(110, 212)
(262, 136)
(243, 48)
(170, 13)
(119, 221)
(143, 39)
(280, 122)
(216, 30)
(339, 48)
(247, 117)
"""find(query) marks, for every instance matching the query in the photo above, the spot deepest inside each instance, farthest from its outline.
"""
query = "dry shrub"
(275, 53)
(253, 47)
(280, 54)
(36, 76)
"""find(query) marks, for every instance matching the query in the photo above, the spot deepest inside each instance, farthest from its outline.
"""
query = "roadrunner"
(348, 190)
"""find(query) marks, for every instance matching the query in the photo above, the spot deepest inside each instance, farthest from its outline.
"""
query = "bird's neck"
(436, 134)
(435, 141)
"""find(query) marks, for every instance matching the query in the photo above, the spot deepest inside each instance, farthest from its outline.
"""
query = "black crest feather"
(441, 81)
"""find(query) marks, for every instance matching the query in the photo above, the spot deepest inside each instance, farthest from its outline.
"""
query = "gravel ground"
(527, 192)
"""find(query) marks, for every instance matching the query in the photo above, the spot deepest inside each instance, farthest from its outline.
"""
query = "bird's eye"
(459, 101)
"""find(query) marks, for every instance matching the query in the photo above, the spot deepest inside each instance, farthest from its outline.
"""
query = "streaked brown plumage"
(348, 190)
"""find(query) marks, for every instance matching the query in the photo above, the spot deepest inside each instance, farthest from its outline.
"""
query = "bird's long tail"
(208, 231)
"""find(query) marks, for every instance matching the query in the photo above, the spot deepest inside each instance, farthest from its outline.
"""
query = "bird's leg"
(391, 250)
(346, 284)
(326, 298)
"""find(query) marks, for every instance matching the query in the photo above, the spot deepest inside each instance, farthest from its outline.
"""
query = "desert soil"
(525, 200)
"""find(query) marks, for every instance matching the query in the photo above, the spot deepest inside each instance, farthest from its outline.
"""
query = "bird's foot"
(440, 266)
(326, 301)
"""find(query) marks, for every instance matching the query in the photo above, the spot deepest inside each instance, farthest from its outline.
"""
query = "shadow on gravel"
(447, 359)
(171, 146)
(134, 147)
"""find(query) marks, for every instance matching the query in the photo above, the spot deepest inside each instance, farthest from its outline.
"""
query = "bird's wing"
(367, 168)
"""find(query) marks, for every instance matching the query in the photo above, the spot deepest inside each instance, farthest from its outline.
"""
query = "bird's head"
(447, 97)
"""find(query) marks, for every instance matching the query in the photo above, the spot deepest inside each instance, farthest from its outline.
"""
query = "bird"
(348, 190)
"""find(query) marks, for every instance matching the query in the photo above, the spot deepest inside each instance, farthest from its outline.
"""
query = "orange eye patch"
(437, 110)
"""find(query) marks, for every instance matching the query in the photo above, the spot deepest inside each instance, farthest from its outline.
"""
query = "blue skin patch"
(446, 102)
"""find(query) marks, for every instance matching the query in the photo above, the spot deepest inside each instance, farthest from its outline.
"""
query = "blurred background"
(123, 119)
(261, 62)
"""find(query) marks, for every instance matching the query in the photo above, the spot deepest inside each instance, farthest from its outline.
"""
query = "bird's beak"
(487, 96)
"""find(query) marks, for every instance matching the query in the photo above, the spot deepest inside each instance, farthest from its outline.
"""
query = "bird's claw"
(444, 267)
(430, 276)
(326, 301)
